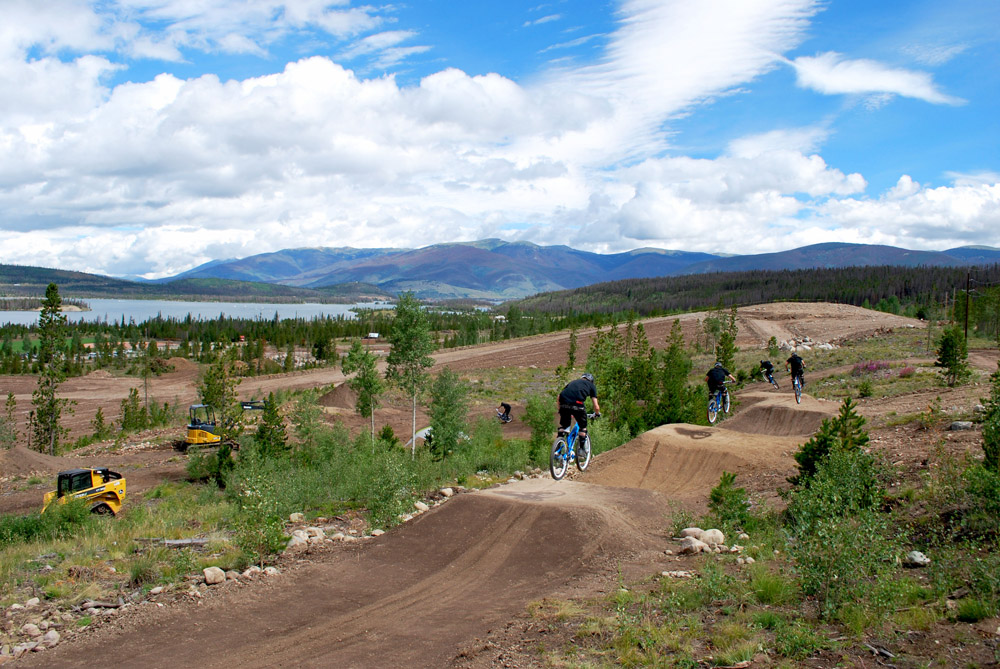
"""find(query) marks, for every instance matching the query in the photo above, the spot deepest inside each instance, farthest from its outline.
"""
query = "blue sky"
(145, 137)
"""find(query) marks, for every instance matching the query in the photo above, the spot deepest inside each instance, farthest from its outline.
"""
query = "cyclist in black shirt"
(716, 377)
(768, 369)
(572, 403)
(797, 365)
(503, 411)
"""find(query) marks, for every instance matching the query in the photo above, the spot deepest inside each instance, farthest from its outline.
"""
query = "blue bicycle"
(566, 448)
(797, 386)
(718, 401)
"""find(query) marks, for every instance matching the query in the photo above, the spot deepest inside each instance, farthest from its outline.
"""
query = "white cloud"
(830, 74)
(545, 19)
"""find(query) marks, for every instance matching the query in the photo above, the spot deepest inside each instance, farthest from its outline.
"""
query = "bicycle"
(797, 387)
(718, 401)
(504, 417)
(564, 449)
(770, 378)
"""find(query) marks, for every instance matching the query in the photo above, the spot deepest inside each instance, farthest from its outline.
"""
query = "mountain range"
(495, 269)
(489, 269)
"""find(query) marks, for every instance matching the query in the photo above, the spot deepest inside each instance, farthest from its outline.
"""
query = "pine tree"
(271, 436)
(8, 423)
(844, 432)
(48, 407)
(953, 355)
(991, 425)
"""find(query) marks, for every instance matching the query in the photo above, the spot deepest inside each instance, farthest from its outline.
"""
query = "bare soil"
(451, 588)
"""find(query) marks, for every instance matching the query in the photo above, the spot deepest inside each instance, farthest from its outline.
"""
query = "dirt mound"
(684, 461)
(99, 374)
(341, 397)
(182, 365)
(19, 461)
(779, 415)
(410, 598)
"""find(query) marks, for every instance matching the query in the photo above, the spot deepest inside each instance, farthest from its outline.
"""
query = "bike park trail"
(427, 593)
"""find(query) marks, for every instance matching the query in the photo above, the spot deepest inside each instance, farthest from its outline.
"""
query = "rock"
(297, 517)
(232, 575)
(297, 542)
(271, 571)
(713, 537)
(377, 533)
(743, 536)
(695, 532)
(251, 571)
(750, 560)
(51, 638)
(420, 506)
(214, 575)
(34, 601)
(31, 629)
(691, 546)
(916, 559)
(157, 590)
(339, 536)
(16, 607)
(678, 574)
(22, 648)
(315, 532)
(447, 492)
(960, 425)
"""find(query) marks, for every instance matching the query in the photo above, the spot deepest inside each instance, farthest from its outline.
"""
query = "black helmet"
(763, 362)
(588, 376)
(718, 364)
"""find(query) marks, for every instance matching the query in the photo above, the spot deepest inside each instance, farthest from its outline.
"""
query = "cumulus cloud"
(831, 74)
(154, 177)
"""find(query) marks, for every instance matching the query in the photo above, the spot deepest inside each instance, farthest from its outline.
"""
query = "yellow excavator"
(202, 429)
(103, 489)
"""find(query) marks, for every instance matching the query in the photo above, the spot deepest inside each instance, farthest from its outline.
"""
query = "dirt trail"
(424, 593)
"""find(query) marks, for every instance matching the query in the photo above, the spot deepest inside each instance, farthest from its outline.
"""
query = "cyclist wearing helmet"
(796, 364)
(716, 377)
(572, 403)
(768, 369)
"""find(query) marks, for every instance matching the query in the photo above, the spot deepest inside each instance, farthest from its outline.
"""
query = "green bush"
(59, 520)
(843, 432)
(729, 505)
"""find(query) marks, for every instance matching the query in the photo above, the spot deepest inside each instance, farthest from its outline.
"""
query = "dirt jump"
(422, 594)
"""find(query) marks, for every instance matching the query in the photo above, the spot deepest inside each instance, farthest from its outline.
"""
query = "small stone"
(750, 560)
(157, 590)
(339, 536)
(214, 575)
(34, 601)
(51, 638)
(713, 537)
(743, 536)
(296, 517)
(251, 571)
(377, 533)
(915, 559)
(420, 506)
(16, 607)
(31, 629)
(960, 425)
(232, 575)
(690, 546)
(447, 492)
(740, 561)
(271, 571)
(695, 532)
(668, 552)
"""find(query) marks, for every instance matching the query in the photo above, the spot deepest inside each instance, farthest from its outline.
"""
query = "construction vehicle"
(102, 488)
(203, 430)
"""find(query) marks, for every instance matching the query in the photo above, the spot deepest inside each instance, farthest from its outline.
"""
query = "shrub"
(953, 354)
(869, 368)
(865, 388)
(844, 432)
(991, 425)
(728, 504)
(907, 372)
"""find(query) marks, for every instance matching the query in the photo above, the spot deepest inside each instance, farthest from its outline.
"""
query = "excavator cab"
(202, 428)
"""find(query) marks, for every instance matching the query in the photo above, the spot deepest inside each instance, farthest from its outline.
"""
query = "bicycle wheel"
(774, 383)
(713, 410)
(725, 402)
(798, 390)
(583, 454)
(559, 458)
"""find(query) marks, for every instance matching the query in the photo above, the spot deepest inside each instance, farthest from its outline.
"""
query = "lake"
(141, 310)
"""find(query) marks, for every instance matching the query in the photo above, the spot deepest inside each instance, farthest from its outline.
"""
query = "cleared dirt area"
(450, 588)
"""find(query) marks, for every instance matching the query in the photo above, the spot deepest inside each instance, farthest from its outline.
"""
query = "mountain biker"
(768, 370)
(716, 378)
(504, 412)
(571, 403)
(797, 365)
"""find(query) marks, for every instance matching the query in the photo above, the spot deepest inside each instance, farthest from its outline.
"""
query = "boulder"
(377, 533)
(271, 571)
(695, 532)
(713, 537)
(51, 638)
(691, 546)
(960, 425)
(214, 575)
(447, 492)
(34, 601)
(31, 629)
(420, 506)
(298, 541)
(296, 517)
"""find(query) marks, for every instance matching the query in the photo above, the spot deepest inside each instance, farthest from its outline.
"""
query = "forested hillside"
(911, 290)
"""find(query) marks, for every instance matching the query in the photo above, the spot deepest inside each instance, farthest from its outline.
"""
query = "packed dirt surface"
(450, 587)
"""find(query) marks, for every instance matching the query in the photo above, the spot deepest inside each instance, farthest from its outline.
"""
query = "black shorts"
(566, 412)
